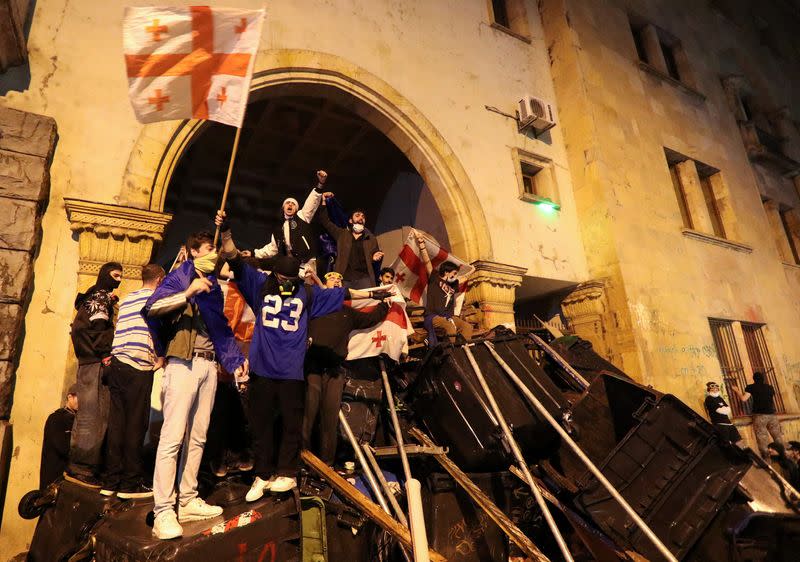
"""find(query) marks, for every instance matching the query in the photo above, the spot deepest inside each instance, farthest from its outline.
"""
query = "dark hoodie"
(93, 328)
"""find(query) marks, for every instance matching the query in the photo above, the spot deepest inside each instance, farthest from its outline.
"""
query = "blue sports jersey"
(281, 332)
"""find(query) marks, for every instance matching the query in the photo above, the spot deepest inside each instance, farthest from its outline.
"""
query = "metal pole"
(398, 511)
(558, 359)
(562, 545)
(363, 462)
(581, 455)
(416, 518)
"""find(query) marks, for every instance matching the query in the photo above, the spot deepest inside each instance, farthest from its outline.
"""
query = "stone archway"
(128, 229)
(287, 72)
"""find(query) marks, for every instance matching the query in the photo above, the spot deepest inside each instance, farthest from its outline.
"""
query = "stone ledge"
(791, 265)
(670, 80)
(511, 32)
(716, 240)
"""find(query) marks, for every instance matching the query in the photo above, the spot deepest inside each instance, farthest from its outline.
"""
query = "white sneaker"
(258, 488)
(197, 510)
(166, 526)
(283, 484)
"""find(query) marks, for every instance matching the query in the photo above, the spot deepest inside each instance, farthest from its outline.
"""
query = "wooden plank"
(369, 508)
(501, 519)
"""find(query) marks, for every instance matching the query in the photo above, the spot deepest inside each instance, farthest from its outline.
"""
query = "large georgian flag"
(411, 275)
(389, 337)
(191, 62)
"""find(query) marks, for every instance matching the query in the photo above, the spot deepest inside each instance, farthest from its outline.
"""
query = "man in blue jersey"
(130, 381)
(283, 306)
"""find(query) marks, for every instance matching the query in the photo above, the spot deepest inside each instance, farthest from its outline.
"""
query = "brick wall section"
(27, 142)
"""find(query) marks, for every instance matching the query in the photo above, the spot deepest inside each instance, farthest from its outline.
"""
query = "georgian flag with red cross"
(411, 275)
(192, 62)
(389, 337)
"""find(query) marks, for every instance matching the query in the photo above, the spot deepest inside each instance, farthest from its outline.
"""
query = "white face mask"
(358, 228)
(714, 394)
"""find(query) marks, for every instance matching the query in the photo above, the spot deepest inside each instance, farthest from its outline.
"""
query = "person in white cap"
(294, 236)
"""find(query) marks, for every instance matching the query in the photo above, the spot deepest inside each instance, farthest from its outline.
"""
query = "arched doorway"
(285, 139)
(304, 74)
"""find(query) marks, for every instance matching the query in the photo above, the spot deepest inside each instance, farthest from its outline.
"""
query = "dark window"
(529, 172)
(638, 40)
(746, 108)
(670, 60)
(500, 12)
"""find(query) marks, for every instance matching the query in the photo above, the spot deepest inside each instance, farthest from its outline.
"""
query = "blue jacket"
(210, 306)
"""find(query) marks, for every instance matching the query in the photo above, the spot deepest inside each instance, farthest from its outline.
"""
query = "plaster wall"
(616, 135)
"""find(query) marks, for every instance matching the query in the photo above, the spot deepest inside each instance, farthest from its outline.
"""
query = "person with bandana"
(295, 237)
(358, 252)
(283, 306)
(719, 413)
(189, 328)
(92, 335)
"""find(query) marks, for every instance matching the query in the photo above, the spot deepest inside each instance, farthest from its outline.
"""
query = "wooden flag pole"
(228, 179)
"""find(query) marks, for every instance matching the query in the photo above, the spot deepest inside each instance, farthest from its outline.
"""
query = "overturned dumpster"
(612, 470)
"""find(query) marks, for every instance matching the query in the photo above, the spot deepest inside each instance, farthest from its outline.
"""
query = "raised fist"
(322, 176)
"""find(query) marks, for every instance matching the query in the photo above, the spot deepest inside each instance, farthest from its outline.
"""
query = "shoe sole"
(134, 495)
(190, 518)
(261, 495)
(166, 538)
(79, 482)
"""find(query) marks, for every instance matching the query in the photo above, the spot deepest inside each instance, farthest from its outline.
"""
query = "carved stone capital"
(109, 232)
(587, 299)
(493, 286)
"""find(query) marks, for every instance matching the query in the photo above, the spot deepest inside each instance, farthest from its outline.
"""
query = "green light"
(547, 206)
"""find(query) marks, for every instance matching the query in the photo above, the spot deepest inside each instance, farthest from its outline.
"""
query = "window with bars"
(731, 362)
(760, 359)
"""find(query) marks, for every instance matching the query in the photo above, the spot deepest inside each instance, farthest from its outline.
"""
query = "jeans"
(91, 421)
(187, 396)
(323, 397)
(265, 398)
(127, 423)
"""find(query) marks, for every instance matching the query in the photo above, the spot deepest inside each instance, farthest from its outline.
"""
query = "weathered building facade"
(673, 161)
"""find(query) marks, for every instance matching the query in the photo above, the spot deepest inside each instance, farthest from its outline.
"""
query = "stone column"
(114, 233)
(494, 286)
(695, 200)
(779, 233)
(586, 310)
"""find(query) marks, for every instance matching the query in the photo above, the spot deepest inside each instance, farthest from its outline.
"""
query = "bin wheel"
(28, 507)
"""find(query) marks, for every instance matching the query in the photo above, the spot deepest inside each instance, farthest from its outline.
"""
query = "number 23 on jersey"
(273, 306)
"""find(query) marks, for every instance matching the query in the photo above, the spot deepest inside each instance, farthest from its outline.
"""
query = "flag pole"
(228, 179)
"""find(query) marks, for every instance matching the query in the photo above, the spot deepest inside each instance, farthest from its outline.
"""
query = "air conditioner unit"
(535, 113)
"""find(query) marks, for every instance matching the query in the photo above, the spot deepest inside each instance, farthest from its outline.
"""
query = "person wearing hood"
(92, 334)
(719, 413)
(294, 236)
(55, 442)
(283, 307)
(791, 472)
(358, 252)
(188, 326)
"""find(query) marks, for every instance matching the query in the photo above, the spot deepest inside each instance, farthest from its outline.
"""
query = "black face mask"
(104, 279)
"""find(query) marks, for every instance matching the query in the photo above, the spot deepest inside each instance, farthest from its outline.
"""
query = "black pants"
(323, 397)
(226, 430)
(127, 423)
(265, 398)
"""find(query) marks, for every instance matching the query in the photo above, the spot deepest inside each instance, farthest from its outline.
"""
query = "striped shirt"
(133, 344)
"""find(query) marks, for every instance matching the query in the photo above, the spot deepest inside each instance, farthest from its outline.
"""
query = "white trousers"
(187, 395)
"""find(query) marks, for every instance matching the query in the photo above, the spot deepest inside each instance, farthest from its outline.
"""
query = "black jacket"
(93, 328)
(344, 243)
(302, 237)
(55, 446)
(329, 335)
